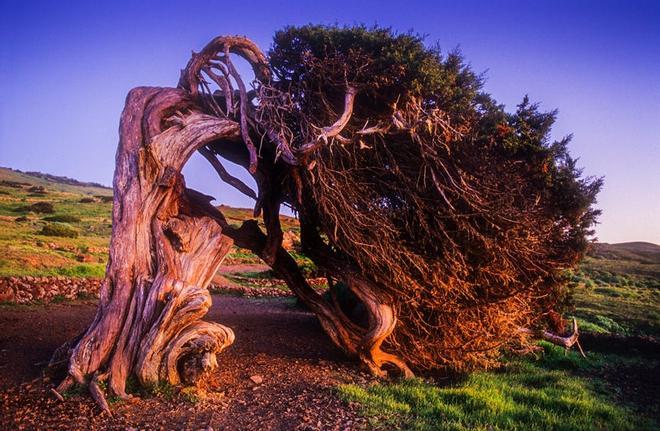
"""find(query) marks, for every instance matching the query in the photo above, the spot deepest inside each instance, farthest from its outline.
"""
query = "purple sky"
(66, 66)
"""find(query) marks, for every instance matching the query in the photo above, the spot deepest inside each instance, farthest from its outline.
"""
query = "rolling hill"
(644, 252)
(51, 225)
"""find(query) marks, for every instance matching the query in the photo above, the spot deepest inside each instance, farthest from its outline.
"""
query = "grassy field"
(28, 249)
(556, 391)
(616, 291)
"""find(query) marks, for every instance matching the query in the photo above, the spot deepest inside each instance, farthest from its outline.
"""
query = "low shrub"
(13, 184)
(59, 229)
(63, 218)
(87, 270)
(104, 199)
(38, 190)
(37, 207)
(87, 200)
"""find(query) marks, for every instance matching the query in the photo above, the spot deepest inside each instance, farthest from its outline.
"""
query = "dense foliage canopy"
(463, 215)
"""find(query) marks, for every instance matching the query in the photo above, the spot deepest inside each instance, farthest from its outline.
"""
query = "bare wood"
(226, 176)
(336, 128)
(162, 253)
(57, 394)
(567, 341)
(219, 49)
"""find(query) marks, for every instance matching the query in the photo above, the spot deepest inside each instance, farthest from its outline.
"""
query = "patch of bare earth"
(293, 366)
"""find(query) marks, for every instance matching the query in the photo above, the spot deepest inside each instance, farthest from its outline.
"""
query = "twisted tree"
(449, 221)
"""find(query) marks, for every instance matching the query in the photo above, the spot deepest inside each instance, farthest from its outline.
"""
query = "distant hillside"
(643, 252)
(16, 179)
(51, 225)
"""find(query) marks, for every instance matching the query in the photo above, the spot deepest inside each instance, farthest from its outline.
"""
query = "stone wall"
(27, 289)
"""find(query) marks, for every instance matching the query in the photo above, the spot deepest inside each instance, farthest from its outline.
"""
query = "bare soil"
(243, 267)
(285, 347)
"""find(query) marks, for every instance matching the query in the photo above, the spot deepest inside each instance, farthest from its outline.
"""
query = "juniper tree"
(449, 220)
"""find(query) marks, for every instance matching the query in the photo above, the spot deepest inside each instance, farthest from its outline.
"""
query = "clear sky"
(66, 66)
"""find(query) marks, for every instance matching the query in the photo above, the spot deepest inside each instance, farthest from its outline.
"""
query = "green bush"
(609, 324)
(63, 218)
(38, 190)
(104, 199)
(37, 207)
(59, 229)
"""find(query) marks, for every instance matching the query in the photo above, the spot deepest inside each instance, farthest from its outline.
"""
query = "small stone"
(257, 379)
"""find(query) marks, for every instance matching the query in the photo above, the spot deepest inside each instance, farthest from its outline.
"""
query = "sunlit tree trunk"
(163, 254)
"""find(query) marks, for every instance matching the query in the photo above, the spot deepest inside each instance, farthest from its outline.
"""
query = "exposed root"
(97, 393)
(57, 394)
(197, 346)
(65, 384)
(567, 341)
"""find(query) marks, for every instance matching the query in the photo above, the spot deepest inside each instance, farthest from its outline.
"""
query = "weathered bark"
(163, 254)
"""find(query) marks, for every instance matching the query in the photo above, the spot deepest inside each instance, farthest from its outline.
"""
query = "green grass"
(555, 392)
(243, 255)
(26, 251)
(617, 297)
(63, 218)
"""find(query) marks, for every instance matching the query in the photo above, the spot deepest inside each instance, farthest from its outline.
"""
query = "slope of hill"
(53, 225)
(643, 252)
(617, 289)
(14, 179)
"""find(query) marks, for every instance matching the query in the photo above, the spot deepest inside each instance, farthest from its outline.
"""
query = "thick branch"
(191, 80)
(336, 128)
(238, 45)
(226, 176)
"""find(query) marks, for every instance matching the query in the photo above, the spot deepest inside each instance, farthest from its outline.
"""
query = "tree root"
(567, 341)
(97, 393)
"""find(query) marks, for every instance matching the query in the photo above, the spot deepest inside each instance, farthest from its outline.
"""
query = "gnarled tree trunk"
(163, 254)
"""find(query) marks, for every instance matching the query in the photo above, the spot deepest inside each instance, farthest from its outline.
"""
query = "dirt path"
(286, 347)
(243, 267)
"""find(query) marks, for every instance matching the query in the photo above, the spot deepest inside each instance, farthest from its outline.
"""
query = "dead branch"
(226, 176)
(336, 127)
(567, 341)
